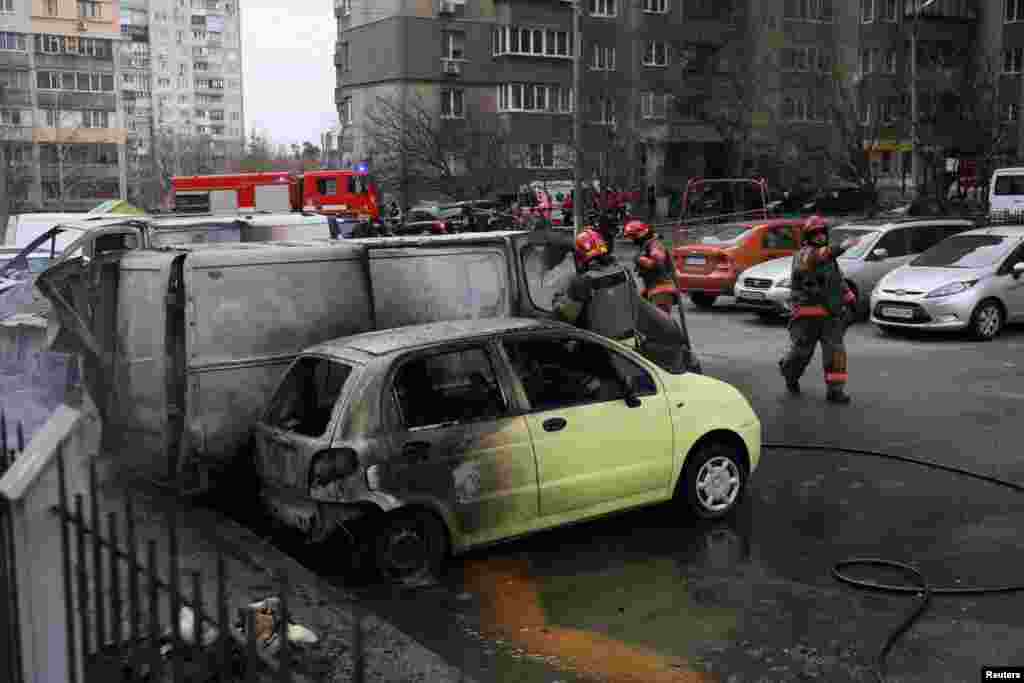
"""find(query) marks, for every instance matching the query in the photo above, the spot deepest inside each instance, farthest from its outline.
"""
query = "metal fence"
(125, 622)
(10, 632)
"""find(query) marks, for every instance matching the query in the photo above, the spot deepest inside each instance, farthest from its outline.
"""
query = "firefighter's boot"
(837, 394)
(792, 383)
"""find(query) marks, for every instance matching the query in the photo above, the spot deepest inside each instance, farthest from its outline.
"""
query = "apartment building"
(78, 107)
(650, 67)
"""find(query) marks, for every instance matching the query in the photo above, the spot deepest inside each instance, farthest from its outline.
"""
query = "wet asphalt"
(650, 596)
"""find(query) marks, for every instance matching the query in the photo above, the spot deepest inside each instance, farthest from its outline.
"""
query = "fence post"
(97, 559)
(284, 670)
(65, 548)
(83, 576)
(154, 611)
(223, 619)
(176, 663)
(116, 616)
(133, 569)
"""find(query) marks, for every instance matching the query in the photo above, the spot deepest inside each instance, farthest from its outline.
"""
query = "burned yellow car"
(433, 439)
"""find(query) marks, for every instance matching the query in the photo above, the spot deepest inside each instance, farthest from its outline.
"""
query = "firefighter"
(601, 297)
(819, 299)
(653, 265)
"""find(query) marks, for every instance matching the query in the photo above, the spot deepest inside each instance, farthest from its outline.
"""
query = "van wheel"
(714, 479)
(702, 300)
(987, 320)
(410, 547)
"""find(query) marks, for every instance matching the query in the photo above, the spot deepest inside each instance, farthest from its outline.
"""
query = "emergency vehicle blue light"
(361, 167)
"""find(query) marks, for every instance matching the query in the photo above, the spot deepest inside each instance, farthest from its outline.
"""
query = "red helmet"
(815, 224)
(589, 245)
(637, 230)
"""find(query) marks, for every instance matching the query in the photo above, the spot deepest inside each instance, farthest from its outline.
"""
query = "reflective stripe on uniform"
(661, 288)
(809, 311)
(835, 377)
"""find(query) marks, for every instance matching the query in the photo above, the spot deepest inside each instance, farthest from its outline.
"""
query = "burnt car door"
(457, 441)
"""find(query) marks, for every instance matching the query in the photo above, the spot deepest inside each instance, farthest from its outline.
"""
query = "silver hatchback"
(969, 281)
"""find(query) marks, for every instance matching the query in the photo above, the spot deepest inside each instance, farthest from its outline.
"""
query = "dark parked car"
(840, 199)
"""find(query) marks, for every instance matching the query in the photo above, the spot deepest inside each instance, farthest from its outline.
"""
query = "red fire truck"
(349, 193)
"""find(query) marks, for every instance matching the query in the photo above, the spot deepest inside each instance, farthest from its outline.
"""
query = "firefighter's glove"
(848, 298)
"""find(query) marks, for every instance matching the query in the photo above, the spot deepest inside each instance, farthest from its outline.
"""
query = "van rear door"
(1006, 194)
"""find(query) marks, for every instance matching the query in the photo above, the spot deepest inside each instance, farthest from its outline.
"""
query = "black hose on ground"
(922, 588)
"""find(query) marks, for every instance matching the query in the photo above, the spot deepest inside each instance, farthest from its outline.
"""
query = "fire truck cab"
(339, 192)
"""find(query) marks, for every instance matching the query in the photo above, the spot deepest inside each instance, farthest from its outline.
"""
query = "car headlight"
(784, 283)
(950, 289)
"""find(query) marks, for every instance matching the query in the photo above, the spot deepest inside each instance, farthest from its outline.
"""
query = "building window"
(10, 117)
(865, 114)
(602, 58)
(6, 6)
(529, 97)
(656, 6)
(888, 10)
(89, 9)
(655, 53)
(454, 44)
(92, 118)
(603, 109)
(890, 61)
(12, 41)
(343, 57)
(548, 155)
(452, 104)
(1011, 112)
(1012, 60)
(603, 8)
(805, 58)
(867, 60)
(346, 111)
(51, 8)
(346, 7)
(654, 105)
(516, 40)
(819, 11)
(803, 108)
(867, 11)
(18, 80)
(1014, 10)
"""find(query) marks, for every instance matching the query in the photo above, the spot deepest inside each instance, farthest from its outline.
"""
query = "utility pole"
(915, 159)
(577, 116)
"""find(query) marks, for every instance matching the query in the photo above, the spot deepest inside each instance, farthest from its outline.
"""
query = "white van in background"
(1006, 191)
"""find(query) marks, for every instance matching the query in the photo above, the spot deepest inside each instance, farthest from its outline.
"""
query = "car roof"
(886, 224)
(386, 342)
(999, 230)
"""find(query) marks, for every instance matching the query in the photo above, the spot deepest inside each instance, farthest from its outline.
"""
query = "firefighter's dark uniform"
(654, 267)
(818, 298)
(601, 297)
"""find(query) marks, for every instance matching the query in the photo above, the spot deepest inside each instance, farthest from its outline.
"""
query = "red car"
(709, 269)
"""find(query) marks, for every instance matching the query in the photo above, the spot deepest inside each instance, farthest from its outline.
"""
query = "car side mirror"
(880, 253)
(1018, 269)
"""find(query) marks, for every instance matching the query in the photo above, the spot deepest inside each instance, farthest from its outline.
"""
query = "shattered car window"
(306, 399)
(447, 388)
(557, 373)
(547, 270)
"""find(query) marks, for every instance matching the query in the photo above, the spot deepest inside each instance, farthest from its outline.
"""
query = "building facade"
(652, 68)
(77, 106)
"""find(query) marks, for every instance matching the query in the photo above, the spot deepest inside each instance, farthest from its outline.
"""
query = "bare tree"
(413, 146)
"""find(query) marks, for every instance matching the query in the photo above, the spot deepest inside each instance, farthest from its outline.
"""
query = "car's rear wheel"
(714, 479)
(702, 300)
(987, 320)
(410, 546)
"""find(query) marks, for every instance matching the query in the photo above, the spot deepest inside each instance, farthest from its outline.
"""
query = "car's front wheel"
(702, 300)
(987, 320)
(714, 479)
(410, 546)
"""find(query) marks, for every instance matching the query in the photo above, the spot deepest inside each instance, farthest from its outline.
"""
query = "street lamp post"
(577, 116)
(915, 159)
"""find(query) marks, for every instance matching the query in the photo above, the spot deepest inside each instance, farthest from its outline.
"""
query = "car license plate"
(695, 260)
(904, 313)
(751, 295)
